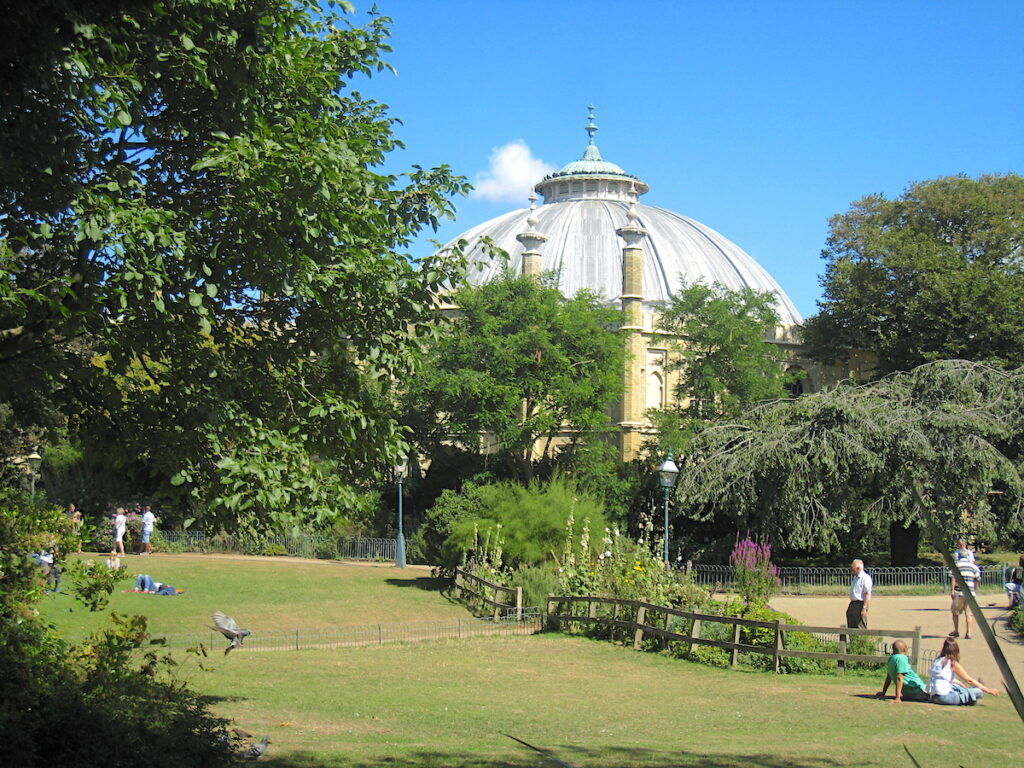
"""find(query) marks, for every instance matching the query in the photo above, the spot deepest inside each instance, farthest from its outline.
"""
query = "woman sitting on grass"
(941, 687)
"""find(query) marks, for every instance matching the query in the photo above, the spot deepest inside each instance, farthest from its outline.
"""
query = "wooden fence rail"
(640, 624)
(515, 594)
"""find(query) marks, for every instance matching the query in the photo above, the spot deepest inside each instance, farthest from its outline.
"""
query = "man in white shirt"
(860, 596)
(148, 521)
(969, 570)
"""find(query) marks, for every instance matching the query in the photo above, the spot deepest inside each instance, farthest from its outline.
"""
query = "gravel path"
(931, 613)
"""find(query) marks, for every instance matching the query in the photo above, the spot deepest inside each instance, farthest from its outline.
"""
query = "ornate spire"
(591, 126)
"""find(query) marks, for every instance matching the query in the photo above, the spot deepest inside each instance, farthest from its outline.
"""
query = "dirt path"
(931, 613)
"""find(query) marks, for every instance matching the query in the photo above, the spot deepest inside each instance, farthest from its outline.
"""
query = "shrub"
(1017, 620)
(273, 550)
(756, 577)
(537, 581)
(531, 519)
(622, 568)
(326, 550)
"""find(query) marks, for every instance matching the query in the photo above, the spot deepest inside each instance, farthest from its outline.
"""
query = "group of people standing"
(120, 523)
(942, 686)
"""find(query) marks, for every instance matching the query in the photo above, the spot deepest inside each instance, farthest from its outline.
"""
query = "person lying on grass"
(898, 670)
(145, 583)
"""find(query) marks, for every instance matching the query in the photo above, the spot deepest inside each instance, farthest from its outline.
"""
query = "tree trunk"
(903, 543)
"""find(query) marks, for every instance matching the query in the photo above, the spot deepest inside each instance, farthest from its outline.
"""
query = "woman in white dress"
(941, 686)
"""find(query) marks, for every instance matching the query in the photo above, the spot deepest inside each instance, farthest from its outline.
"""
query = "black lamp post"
(668, 472)
(400, 470)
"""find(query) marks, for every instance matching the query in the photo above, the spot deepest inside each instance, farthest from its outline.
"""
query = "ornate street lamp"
(34, 461)
(668, 472)
(400, 471)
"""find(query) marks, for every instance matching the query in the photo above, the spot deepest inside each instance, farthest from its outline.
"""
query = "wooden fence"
(479, 591)
(636, 616)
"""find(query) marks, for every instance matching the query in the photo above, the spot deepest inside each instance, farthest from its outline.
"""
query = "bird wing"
(226, 624)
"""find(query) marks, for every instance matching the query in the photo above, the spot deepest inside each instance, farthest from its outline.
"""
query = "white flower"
(606, 554)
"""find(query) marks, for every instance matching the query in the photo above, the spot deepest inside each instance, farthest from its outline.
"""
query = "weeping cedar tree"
(804, 471)
(521, 363)
(203, 267)
(934, 274)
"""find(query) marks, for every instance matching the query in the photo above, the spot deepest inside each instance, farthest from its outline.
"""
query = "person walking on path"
(958, 605)
(947, 666)
(861, 586)
(120, 525)
(148, 522)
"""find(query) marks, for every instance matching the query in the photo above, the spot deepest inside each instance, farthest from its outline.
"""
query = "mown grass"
(447, 703)
(591, 703)
(271, 593)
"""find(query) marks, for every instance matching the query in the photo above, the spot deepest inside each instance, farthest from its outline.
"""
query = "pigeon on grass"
(230, 629)
(257, 749)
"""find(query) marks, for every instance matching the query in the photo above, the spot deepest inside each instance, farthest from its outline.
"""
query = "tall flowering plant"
(757, 578)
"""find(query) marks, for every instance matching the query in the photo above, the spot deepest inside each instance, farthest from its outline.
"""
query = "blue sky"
(758, 119)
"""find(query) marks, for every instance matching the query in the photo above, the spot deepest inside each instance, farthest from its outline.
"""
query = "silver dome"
(583, 249)
(584, 203)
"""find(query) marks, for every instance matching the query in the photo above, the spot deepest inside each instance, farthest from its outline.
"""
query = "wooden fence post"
(841, 663)
(519, 603)
(552, 622)
(667, 627)
(779, 643)
(915, 648)
(694, 634)
(734, 654)
(638, 636)
(592, 609)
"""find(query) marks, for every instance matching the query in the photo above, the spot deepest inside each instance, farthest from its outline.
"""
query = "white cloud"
(511, 175)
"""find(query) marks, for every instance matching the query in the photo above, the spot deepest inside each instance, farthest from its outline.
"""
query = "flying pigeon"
(230, 629)
(256, 750)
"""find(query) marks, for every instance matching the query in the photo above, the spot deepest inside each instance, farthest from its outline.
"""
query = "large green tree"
(521, 363)
(203, 264)
(934, 274)
(722, 358)
(808, 471)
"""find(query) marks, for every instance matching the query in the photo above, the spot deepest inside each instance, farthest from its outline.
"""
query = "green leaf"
(195, 299)
(123, 117)
(187, 43)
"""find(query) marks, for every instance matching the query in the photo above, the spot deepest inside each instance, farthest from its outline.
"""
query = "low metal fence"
(360, 635)
(812, 580)
(326, 547)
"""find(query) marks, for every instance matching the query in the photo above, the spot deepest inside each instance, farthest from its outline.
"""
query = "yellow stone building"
(593, 233)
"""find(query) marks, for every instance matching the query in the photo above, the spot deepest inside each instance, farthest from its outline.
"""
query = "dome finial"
(591, 127)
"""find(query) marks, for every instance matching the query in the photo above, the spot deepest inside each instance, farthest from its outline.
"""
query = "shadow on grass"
(426, 583)
(568, 755)
(210, 699)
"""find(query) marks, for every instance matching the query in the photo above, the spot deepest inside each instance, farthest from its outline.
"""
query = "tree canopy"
(805, 471)
(521, 363)
(720, 352)
(203, 264)
(936, 273)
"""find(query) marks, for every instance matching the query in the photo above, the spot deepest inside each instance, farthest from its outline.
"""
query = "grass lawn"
(591, 703)
(270, 593)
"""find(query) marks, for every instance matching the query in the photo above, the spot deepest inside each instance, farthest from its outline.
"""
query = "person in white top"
(860, 596)
(148, 521)
(941, 687)
(120, 525)
(963, 552)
